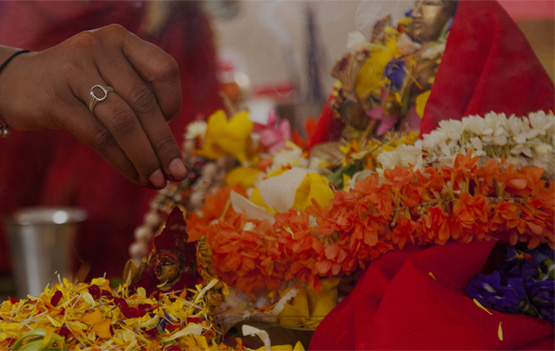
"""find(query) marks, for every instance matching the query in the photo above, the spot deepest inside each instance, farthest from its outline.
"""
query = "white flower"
(523, 140)
(407, 156)
(406, 45)
(543, 150)
(279, 191)
(241, 204)
(477, 143)
(433, 139)
(288, 157)
(434, 50)
(445, 150)
(452, 128)
(357, 42)
(542, 122)
(195, 129)
(389, 159)
(473, 124)
(411, 155)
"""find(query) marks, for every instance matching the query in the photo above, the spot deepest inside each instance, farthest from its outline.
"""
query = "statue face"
(166, 267)
(429, 17)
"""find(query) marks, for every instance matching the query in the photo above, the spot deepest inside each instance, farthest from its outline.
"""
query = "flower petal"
(279, 192)
(243, 205)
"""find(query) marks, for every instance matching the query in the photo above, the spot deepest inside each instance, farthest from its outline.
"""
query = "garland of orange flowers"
(462, 203)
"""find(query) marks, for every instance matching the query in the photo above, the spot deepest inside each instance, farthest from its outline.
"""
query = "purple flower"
(395, 72)
(516, 264)
(541, 296)
(522, 283)
(490, 292)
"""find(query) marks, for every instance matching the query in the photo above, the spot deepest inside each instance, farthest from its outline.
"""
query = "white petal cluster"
(290, 156)
(521, 140)
(435, 50)
(195, 129)
(357, 42)
(407, 156)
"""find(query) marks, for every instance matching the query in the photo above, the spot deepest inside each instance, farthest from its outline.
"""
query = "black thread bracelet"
(4, 132)
(14, 55)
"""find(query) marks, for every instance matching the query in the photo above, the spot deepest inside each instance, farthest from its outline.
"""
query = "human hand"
(51, 89)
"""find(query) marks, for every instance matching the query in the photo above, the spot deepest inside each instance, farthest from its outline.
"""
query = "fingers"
(122, 123)
(134, 116)
(129, 128)
(157, 68)
(142, 101)
(83, 124)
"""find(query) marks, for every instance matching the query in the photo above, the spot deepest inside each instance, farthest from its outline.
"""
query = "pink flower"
(274, 133)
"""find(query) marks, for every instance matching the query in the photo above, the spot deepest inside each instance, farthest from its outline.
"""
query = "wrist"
(8, 55)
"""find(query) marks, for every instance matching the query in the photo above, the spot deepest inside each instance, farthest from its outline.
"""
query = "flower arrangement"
(522, 141)
(462, 203)
(286, 224)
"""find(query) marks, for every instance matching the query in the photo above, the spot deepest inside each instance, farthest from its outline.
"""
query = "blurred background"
(269, 43)
(268, 54)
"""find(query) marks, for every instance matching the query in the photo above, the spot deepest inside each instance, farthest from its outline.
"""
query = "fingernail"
(157, 179)
(177, 169)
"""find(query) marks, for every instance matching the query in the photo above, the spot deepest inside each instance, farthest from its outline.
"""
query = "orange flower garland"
(462, 203)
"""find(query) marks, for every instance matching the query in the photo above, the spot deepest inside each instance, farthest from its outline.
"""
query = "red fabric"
(397, 305)
(487, 66)
(54, 168)
(328, 128)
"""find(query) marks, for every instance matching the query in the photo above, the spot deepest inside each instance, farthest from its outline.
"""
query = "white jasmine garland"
(521, 140)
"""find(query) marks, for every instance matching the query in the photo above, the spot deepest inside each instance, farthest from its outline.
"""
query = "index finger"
(157, 68)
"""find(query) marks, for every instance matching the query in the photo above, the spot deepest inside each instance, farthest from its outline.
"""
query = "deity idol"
(171, 263)
(384, 83)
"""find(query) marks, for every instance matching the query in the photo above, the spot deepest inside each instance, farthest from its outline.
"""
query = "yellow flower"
(421, 101)
(308, 308)
(246, 176)
(322, 302)
(93, 317)
(225, 137)
(102, 329)
(194, 342)
(294, 188)
(100, 325)
(314, 186)
(370, 76)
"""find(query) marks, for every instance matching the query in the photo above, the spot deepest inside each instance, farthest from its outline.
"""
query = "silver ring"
(96, 99)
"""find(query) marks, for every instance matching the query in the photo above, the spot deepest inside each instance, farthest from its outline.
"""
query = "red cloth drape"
(414, 299)
(487, 66)
(54, 168)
